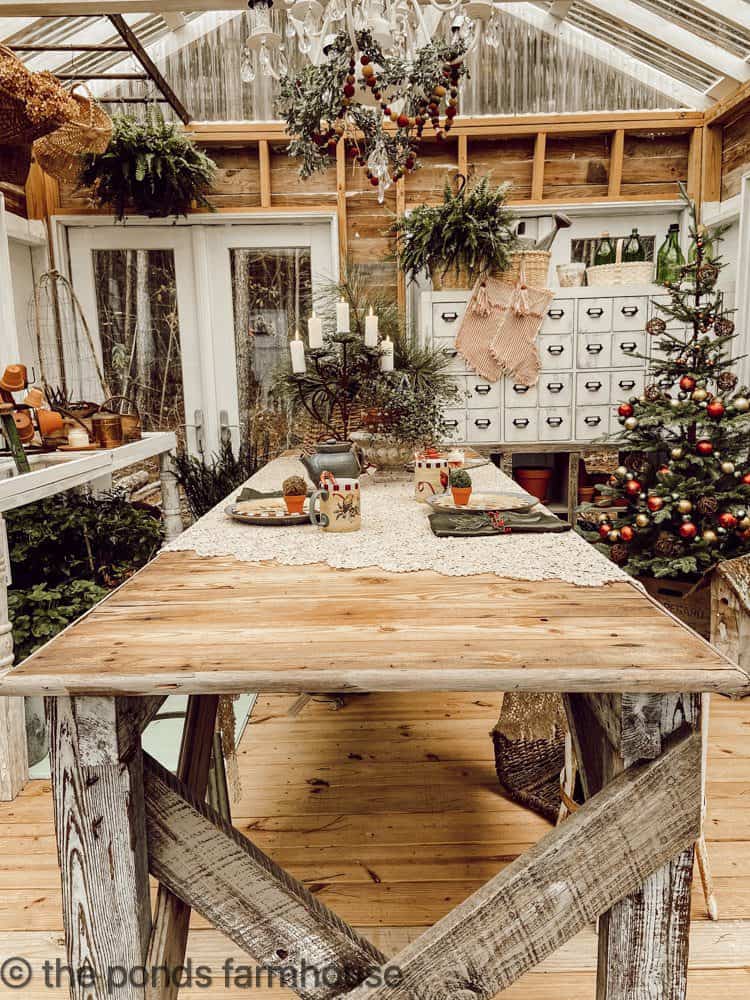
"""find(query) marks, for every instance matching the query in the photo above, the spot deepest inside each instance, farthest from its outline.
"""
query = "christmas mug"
(338, 505)
(430, 477)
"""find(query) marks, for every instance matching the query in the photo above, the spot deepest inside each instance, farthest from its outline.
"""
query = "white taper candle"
(315, 332)
(342, 316)
(297, 348)
(386, 355)
(371, 329)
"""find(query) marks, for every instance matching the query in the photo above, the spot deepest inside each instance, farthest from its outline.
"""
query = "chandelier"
(399, 27)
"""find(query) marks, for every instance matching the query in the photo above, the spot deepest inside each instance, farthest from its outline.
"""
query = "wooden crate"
(689, 602)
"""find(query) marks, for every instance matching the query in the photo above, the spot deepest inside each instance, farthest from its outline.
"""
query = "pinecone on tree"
(665, 545)
(619, 553)
(726, 381)
(723, 327)
(707, 506)
(653, 393)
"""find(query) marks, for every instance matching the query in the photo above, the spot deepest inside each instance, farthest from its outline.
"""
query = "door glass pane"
(272, 292)
(136, 300)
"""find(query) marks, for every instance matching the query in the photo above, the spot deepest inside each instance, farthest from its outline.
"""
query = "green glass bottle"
(605, 251)
(633, 251)
(670, 259)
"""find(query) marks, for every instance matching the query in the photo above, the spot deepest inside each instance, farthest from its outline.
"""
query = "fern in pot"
(149, 168)
(459, 241)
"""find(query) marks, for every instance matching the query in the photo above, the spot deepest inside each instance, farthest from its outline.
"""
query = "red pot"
(534, 481)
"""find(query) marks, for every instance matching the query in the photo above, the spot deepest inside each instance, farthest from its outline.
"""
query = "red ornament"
(727, 520)
(704, 448)
(402, 121)
(664, 470)
(633, 487)
(349, 90)
(688, 530)
(655, 503)
(374, 181)
(715, 409)
(626, 533)
(625, 410)
(746, 479)
(687, 383)
(604, 530)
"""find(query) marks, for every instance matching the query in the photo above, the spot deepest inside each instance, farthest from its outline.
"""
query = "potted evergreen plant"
(294, 489)
(466, 237)
(460, 483)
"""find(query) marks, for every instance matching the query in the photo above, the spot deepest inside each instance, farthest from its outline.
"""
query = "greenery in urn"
(472, 230)
(150, 167)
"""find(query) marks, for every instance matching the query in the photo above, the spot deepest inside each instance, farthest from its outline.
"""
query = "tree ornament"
(727, 468)
(642, 520)
(688, 530)
(709, 536)
(652, 393)
(704, 447)
(676, 454)
(654, 503)
(715, 409)
(707, 505)
(656, 326)
(626, 533)
(699, 395)
(664, 470)
(604, 530)
(741, 404)
(619, 554)
(726, 381)
(625, 410)
(621, 471)
(746, 478)
(723, 327)
(613, 536)
(727, 520)
(687, 383)
(665, 544)
(633, 487)
(684, 506)
(631, 423)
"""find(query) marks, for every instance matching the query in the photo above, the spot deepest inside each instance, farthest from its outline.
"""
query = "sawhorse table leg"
(14, 765)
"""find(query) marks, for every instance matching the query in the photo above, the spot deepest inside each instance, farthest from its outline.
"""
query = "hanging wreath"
(357, 92)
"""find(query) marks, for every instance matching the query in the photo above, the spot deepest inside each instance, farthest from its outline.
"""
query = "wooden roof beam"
(132, 41)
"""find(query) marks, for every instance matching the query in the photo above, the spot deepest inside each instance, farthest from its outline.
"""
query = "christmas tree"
(683, 495)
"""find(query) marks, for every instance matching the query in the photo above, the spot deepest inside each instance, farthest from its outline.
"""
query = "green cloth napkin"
(476, 525)
(246, 493)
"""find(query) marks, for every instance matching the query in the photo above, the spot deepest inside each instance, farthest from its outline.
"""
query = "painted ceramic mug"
(430, 477)
(338, 505)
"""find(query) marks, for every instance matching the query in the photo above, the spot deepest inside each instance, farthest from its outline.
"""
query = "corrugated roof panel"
(704, 22)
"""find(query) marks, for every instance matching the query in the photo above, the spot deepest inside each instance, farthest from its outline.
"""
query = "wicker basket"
(638, 272)
(59, 153)
(535, 266)
(31, 104)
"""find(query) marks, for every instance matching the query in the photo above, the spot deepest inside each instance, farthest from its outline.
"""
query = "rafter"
(131, 40)
(733, 10)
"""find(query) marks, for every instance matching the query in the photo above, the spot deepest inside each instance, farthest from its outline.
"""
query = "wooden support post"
(537, 174)
(463, 155)
(264, 161)
(341, 207)
(101, 836)
(616, 163)
(711, 153)
(14, 766)
(400, 276)
(574, 459)
(603, 852)
(730, 610)
(172, 916)
(643, 939)
(170, 497)
(695, 165)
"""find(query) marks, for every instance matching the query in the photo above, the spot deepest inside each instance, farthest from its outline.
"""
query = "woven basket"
(59, 153)
(638, 272)
(451, 280)
(31, 104)
(536, 268)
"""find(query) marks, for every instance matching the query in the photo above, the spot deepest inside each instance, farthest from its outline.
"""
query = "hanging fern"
(150, 168)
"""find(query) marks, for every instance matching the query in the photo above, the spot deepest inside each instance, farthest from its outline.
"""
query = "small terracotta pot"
(24, 425)
(295, 504)
(586, 494)
(534, 481)
(50, 422)
(14, 378)
(34, 398)
(461, 495)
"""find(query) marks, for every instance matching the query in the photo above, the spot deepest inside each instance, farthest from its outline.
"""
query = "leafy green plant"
(470, 231)
(209, 480)
(40, 612)
(460, 479)
(150, 167)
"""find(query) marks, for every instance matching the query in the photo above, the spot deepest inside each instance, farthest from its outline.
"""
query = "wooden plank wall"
(735, 154)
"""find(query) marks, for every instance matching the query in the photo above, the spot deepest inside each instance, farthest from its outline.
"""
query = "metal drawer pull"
(592, 421)
(629, 310)
(520, 389)
(449, 317)
(555, 386)
(595, 348)
(593, 386)
(483, 424)
(521, 422)
(628, 346)
(449, 352)
(627, 384)
(556, 313)
(554, 421)
(451, 423)
(595, 312)
(555, 349)
(482, 390)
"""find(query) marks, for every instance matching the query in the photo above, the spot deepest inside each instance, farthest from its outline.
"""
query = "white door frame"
(742, 284)
(200, 370)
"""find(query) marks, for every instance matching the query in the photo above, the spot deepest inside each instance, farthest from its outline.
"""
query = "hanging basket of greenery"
(149, 168)
(469, 235)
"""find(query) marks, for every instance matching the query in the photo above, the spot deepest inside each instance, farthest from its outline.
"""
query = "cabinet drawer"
(630, 313)
(520, 395)
(559, 317)
(555, 390)
(446, 318)
(447, 346)
(594, 315)
(625, 348)
(594, 350)
(455, 421)
(483, 394)
(592, 422)
(592, 388)
(483, 425)
(555, 351)
(555, 423)
(522, 425)
(626, 384)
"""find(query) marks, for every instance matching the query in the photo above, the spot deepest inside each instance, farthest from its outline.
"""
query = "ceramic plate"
(484, 502)
(270, 512)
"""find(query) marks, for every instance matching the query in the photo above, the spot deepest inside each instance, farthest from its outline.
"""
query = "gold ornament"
(741, 404)
(710, 537)
(676, 453)
(642, 520)
(684, 506)
(700, 395)
(727, 468)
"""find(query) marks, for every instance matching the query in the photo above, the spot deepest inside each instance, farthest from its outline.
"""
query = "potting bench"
(632, 676)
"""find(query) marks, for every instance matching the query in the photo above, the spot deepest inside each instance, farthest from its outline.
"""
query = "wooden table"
(632, 677)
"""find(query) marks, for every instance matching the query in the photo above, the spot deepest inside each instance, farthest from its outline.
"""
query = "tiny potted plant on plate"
(295, 492)
(460, 482)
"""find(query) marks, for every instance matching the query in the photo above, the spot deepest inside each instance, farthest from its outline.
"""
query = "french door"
(190, 321)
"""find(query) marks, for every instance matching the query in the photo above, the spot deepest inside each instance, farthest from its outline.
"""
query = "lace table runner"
(396, 537)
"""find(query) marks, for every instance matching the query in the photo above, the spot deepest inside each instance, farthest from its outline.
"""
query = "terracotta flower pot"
(586, 494)
(295, 504)
(24, 425)
(534, 481)
(50, 422)
(461, 495)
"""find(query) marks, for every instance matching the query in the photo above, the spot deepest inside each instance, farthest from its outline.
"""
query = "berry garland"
(325, 105)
